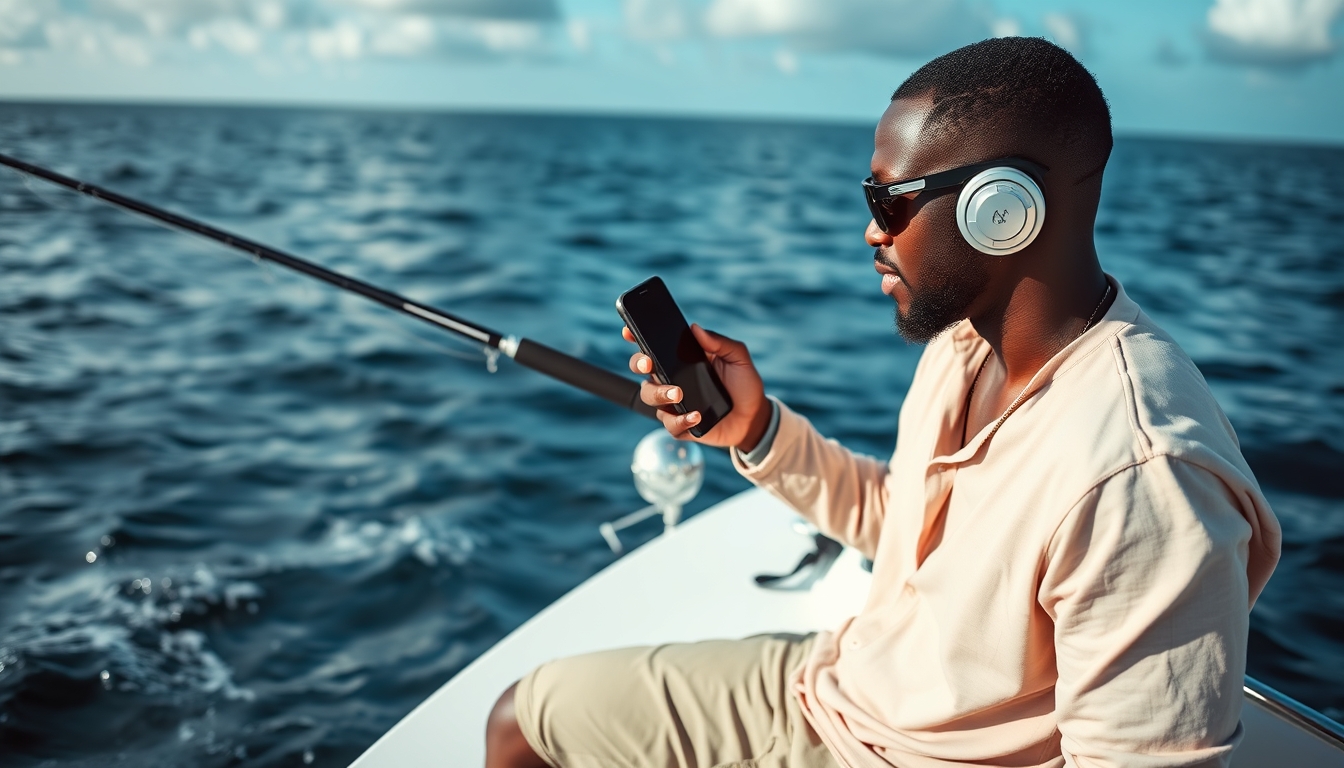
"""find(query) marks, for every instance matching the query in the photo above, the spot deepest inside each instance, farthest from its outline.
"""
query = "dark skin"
(1034, 303)
(505, 746)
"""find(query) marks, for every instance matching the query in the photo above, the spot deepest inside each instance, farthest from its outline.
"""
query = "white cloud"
(233, 35)
(279, 34)
(661, 19)
(884, 27)
(406, 37)
(1069, 30)
(1006, 26)
(514, 10)
(73, 36)
(22, 23)
(580, 35)
(1273, 33)
(94, 39)
(270, 15)
(412, 36)
(508, 36)
(272, 31)
(161, 18)
(342, 40)
(129, 50)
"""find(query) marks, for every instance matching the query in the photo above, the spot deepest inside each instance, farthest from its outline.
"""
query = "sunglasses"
(892, 205)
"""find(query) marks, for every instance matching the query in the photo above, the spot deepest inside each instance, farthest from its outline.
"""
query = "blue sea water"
(304, 514)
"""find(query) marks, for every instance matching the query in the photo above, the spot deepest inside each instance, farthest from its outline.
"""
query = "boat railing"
(1295, 712)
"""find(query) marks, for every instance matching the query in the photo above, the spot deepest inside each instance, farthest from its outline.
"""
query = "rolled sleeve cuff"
(785, 427)
(756, 455)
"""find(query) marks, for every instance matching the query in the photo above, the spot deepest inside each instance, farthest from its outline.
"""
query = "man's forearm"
(844, 494)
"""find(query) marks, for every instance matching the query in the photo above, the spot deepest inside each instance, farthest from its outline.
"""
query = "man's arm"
(1146, 582)
(842, 493)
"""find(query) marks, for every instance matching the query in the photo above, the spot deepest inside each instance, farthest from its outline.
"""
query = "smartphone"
(662, 333)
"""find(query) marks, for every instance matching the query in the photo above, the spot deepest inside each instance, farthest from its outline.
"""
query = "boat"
(705, 579)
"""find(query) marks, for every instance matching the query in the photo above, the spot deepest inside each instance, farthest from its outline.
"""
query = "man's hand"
(744, 425)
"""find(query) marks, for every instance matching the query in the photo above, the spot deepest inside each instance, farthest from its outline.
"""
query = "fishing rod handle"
(586, 376)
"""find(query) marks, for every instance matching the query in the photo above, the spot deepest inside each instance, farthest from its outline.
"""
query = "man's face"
(928, 268)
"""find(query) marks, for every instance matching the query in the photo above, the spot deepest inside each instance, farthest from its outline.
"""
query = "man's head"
(1000, 98)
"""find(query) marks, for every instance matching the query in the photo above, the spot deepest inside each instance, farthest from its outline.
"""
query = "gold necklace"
(1018, 401)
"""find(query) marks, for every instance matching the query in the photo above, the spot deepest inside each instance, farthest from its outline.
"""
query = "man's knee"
(505, 745)
(501, 715)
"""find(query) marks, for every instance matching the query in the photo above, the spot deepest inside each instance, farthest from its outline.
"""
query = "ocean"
(248, 519)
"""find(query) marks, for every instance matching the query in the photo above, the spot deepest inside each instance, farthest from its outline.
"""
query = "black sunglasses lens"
(890, 214)
(876, 211)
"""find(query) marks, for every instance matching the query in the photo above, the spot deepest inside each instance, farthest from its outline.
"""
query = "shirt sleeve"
(844, 494)
(1146, 581)
(756, 455)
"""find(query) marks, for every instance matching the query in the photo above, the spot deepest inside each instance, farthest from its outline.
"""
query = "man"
(1067, 540)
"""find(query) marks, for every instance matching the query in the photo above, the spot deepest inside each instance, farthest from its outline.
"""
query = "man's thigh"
(693, 705)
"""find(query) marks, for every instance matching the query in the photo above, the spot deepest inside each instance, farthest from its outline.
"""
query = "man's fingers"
(679, 425)
(720, 346)
(662, 397)
(640, 363)
(627, 335)
(659, 395)
(670, 423)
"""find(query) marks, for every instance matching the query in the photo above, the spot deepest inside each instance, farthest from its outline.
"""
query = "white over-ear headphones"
(1000, 211)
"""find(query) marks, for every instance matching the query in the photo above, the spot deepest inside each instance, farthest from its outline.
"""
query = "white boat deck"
(696, 584)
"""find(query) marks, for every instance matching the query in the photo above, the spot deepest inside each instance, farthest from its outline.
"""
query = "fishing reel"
(668, 473)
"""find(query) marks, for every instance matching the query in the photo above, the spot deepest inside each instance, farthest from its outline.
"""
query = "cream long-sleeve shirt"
(1072, 587)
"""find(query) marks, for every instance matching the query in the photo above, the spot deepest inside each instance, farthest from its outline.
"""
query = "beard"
(948, 285)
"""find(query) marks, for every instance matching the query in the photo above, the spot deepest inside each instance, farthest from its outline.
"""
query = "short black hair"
(1022, 83)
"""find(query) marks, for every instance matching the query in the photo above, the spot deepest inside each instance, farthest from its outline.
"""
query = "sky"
(1241, 69)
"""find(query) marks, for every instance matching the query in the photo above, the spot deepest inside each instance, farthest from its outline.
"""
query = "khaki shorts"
(694, 705)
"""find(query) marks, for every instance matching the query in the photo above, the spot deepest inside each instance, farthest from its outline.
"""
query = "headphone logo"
(1000, 217)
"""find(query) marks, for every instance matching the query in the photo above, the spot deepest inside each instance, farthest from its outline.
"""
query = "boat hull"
(696, 583)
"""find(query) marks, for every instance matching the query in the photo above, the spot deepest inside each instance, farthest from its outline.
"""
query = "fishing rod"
(539, 357)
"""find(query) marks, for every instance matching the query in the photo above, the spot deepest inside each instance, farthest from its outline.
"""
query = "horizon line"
(605, 113)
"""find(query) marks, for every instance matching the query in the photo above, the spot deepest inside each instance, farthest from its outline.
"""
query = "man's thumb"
(717, 345)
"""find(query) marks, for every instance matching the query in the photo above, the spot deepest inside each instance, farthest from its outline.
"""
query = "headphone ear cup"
(1000, 211)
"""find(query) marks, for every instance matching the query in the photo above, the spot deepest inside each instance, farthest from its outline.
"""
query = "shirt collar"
(970, 349)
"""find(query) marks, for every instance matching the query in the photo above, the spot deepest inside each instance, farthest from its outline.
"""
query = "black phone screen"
(656, 320)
